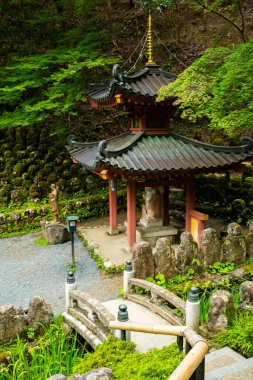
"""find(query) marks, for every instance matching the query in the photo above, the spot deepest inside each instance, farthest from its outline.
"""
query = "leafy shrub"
(130, 365)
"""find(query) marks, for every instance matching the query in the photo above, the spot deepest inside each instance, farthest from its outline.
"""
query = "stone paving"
(27, 270)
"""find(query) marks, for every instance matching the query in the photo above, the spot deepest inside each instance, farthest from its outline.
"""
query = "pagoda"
(150, 155)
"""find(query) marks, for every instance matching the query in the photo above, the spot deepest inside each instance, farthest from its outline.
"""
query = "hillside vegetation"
(52, 50)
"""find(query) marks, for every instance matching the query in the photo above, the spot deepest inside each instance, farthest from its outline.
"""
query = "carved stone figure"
(246, 294)
(151, 209)
(209, 246)
(234, 247)
(221, 307)
(165, 258)
(249, 241)
(53, 201)
(143, 260)
(186, 252)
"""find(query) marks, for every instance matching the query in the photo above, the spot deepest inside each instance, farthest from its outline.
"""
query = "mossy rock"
(52, 178)
(34, 155)
(61, 184)
(4, 147)
(42, 148)
(66, 174)
(17, 181)
(51, 154)
(34, 191)
(74, 170)
(238, 204)
(248, 171)
(43, 186)
(236, 180)
(18, 169)
(60, 158)
(5, 190)
(48, 168)
(66, 163)
(248, 181)
(26, 185)
(40, 176)
(75, 183)
(8, 154)
(16, 196)
(21, 154)
(32, 169)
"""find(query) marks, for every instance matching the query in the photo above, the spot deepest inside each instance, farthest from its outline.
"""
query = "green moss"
(41, 242)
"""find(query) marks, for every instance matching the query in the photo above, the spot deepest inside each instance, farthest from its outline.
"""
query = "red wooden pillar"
(131, 212)
(190, 203)
(113, 218)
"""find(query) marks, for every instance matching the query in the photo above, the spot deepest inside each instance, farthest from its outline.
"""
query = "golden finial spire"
(150, 42)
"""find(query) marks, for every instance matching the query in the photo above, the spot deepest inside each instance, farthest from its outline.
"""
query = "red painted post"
(113, 218)
(131, 212)
(190, 203)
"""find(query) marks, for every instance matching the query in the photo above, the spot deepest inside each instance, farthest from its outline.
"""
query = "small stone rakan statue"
(54, 204)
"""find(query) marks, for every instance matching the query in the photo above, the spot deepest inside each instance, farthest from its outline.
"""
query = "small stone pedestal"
(55, 233)
(152, 234)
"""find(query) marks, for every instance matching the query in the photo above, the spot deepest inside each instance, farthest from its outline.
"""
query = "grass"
(52, 353)
(41, 242)
(239, 336)
(24, 231)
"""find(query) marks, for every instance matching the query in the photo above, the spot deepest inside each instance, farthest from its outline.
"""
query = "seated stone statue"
(151, 209)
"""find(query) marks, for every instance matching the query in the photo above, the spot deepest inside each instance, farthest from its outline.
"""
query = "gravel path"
(27, 270)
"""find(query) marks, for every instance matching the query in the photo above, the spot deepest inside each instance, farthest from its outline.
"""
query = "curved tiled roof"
(140, 153)
(146, 83)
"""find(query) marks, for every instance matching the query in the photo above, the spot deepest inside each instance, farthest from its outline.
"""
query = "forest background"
(52, 50)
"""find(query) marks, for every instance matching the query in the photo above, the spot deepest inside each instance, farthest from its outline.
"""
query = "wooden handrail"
(194, 357)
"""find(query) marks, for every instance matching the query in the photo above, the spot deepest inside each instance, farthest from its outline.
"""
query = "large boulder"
(12, 322)
(102, 373)
(165, 258)
(143, 260)
(55, 233)
(39, 313)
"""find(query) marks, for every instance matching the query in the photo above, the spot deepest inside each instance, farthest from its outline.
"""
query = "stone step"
(226, 364)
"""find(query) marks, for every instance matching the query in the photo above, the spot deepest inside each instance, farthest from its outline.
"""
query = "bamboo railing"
(195, 357)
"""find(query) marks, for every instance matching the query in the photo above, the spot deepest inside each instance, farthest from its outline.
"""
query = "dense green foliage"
(239, 336)
(130, 365)
(217, 89)
(49, 84)
(52, 353)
